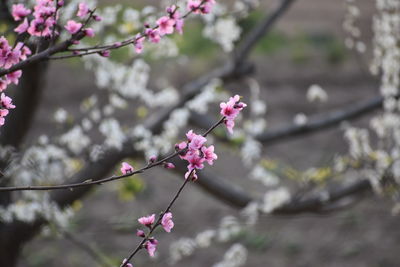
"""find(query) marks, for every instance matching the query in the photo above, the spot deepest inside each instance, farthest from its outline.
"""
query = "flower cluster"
(230, 110)
(195, 153)
(168, 24)
(149, 221)
(8, 57)
(42, 23)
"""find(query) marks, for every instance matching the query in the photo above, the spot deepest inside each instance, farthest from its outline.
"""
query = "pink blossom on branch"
(19, 11)
(126, 168)
(83, 10)
(23, 27)
(167, 222)
(166, 25)
(126, 264)
(139, 43)
(5, 101)
(230, 110)
(147, 220)
(73, 27)
(151, 246)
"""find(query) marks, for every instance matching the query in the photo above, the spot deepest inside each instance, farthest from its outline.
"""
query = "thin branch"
(158, 222)
(330, 119)
(108, 179)
(314, 124)
(244, 49)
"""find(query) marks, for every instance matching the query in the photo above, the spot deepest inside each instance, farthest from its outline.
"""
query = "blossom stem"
(104, 180)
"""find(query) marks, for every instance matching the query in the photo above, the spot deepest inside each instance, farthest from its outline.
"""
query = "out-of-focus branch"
(314, 124)
(243, 50)
(314, 203)
(317, 123)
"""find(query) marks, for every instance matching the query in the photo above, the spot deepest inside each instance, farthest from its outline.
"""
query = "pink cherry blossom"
(190, 135)
(127, 264)
(13, 77)
(153, 159)
(3, 85)
(153, 35)
(193, 5)
(147, 220)
(89, 32)
(151, 246)
(169, 165)
(195, 161)
(139, 43)
(229, 125)
(167, 222)
(3, 112)
(230, 110)
(83, 10)
(140, 233)
(126, 168)
(19, 12)
(23, 27)
(209, 154)
(193, 175)
(73, 26)
(105, 53)
(166, 25)
(197, 141)
(5, 101)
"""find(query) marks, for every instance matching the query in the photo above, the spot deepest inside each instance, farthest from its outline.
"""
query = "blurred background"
(307, 46)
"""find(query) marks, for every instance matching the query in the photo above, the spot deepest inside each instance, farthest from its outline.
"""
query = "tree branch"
(314, 124)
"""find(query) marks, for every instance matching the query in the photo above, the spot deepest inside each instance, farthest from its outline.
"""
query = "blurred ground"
(365, 234)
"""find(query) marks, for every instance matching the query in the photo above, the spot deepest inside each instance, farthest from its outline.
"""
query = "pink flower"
(73, 26)
(13, 77)
(193, 175)
(153, 159)
(127, 264)
(154, 35)
(23, 27)
(195, 161)
(197, 142)
(151, 246)
(104, 53)
(166, 25)
(140, 233)
(5, 101)
(89, 32)
(126, 168)
(190, 135)
(25, 52)
(3, 85)
(147, 221)
(169, 165)
(3, 112)
(19, 12)
(230, 110)
(229, 125)
(209, 154)
(139, 43)
(181, 145)
(83, 10)
(179, 23)
(194, 5)
(167, 222)
(2, 121)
